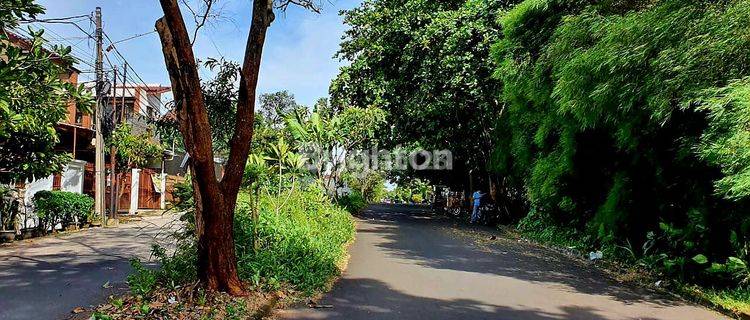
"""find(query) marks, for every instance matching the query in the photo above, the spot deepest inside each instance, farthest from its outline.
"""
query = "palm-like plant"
(284, 160)
(317, 134)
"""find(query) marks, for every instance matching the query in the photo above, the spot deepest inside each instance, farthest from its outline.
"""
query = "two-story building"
(77, 132)
(138, 105)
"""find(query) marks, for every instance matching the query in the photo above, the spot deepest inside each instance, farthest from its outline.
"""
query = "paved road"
(47, 278)
(406, 264)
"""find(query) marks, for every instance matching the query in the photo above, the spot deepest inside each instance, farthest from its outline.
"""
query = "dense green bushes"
(302, 239)
(62, 207)
(624, 127)
(301, 242)
(354, 202)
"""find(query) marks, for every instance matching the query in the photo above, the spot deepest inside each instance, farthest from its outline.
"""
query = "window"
(79, 117)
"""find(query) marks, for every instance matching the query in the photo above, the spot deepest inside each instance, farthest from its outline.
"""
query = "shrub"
(183, 193)
(301, 244)
(53, 207)
(302, 239)
(627, 125)
(353, 202)
(142, 281)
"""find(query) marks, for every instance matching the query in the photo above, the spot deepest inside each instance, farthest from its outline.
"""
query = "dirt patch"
(188, 303)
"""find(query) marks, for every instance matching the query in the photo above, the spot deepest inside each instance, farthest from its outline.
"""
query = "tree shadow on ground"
(46, 278)
(384, 302)
(411, 229)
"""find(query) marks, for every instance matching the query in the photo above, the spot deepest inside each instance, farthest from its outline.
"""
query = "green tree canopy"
(427, 64)
(33, 99)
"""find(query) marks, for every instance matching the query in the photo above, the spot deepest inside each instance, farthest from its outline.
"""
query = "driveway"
(47, 278)
(408, 264)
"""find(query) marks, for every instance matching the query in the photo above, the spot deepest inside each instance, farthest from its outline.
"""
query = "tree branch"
(200, 19)
(263, 16)
(306, 4)
(243, 130)
(192, 114)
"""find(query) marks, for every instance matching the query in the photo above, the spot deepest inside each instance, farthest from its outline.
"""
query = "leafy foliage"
(142, 281)
(726, 141)
(627, 95)
(426, 64)
(220, 94)
(329, 138)
(134, 150)
(353, 202)
(276, 106)
(62, 207)
(301, 245)
(368, 184)
(414, 190)
(33, 99)
(13, 10)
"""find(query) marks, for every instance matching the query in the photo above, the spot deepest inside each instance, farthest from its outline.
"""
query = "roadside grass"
(733, 302)
(302, 239)
(300, 249)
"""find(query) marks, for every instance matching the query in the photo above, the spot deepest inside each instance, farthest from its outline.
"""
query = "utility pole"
(124, 87)
(99, 190)
(113, 154)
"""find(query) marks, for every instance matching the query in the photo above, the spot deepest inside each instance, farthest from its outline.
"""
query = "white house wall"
(71, 180)
(72, 176)
(135, 182)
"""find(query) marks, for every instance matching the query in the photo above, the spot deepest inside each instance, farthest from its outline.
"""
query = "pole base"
(112, 222)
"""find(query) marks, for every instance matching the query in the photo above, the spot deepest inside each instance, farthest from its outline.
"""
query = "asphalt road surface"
(408, 264)
(46, 278)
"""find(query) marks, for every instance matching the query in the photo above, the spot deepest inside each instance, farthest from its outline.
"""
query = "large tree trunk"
(217, 263)
(214, 200)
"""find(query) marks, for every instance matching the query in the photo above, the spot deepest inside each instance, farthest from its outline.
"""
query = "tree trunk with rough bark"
(214, 200)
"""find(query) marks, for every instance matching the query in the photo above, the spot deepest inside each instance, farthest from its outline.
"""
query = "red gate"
(148, 198)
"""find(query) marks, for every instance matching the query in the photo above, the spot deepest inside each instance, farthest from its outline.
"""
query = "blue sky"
(298, 54)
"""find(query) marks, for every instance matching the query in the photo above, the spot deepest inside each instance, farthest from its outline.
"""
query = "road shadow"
(373, 299)
(48, 277)
(409, 230)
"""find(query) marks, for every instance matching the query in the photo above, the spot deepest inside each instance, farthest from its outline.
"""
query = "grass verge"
(295, 250)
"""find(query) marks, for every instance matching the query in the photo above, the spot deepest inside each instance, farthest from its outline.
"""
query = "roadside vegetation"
(612, 126)
(292, 220)
(411, 191)
(33, 99)
(293, 249)
(63, 208)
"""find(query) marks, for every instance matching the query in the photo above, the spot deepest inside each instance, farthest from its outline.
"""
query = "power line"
(65, 22)
(88, 58)
(78, 51)
(73, 54)
(52, 20)
(130, 66)
(59, 38)
(111, 46)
